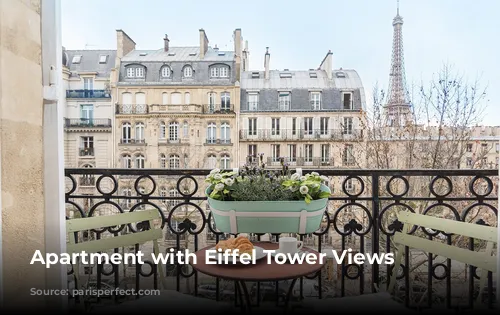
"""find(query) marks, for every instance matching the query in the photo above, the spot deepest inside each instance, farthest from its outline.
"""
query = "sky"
(461, 33)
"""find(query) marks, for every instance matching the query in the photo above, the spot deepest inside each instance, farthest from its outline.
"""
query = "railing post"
(375, 231)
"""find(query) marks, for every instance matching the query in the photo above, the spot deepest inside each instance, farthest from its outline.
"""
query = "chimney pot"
(266, 63)
(166, 42)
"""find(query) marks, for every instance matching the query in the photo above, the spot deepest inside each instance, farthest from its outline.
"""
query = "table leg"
(289, 294)
(239, 295)
(248, 300)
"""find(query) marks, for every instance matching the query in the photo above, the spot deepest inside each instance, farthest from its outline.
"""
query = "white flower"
(217, 176)
(315, 173)
(304, 190)
(215, 171)
(324, 179)
(229, 181)
(219, 187)
(303, 178)
(295, 176)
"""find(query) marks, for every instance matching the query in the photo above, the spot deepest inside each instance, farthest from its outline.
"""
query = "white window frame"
(323, 125)
(214, 72)
(347, 126)
(212, 96)
(348, 155)
(173, 131)
(325, 153)
(173, 193)
(308, 153)
(163, 161)
(139, 132)
(252, 151)
(139, 72)
(308, 126)
(284, 100)
(185, 129)
(126, 161)
(76, 59)
(140, 161)
(103, 58)
(252, 126)
(275, 152)
(225, 133)
(187, 72)
(165, 72)
(174, 161)
(187, 98)
(224, 71)
(225, 101)
(225, 162)
(88, 83)
(211, 133)
(275, 126)
(350, 102)
(292, 153)
(87, 142)
(163, 130)
(315, 100)
(253, 101)
(126, 132)
(212, 161)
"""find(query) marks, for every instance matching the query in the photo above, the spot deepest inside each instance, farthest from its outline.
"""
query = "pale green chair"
(170, 300)
(385, 301)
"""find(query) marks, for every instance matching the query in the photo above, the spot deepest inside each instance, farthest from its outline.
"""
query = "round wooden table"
(261, 271)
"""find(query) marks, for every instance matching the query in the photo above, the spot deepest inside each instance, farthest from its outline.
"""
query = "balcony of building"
(173, 141)
(130, 109)
(301, 135)
(86, 152)
(87, 94)
(218, 108)
(85, 123)
(213, 141)
(360, 215)
(289, 107)
(125, 141)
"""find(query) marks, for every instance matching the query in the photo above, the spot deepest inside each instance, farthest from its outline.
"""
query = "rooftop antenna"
(398, 7)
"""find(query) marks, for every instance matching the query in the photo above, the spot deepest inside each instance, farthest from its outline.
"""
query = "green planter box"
(268, 216)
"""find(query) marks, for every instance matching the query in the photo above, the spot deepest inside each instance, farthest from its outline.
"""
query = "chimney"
(266, 63)
(166, 42)
(327, 65)
(237, 42)
(245, 57)
(203, 43)
(124, 44)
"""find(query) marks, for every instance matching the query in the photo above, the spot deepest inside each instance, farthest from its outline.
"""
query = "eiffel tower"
(398, 108)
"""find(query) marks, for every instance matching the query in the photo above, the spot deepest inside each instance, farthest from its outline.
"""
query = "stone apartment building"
(312, 118)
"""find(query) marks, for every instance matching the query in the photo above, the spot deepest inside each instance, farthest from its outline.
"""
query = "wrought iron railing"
(301, 134)
(87, 122)
(88, 94)
(360, 216)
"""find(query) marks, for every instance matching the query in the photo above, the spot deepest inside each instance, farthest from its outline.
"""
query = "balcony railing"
(360, 216)
(86, 152)
(289, 106)
(218, 141)
(133, 141)
(132, 109)
(301, 161)
(88, 94)
(87, 123)
(218, 108)
(300, 134)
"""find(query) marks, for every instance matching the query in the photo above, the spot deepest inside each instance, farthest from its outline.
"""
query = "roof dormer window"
(103, 58)
(187, 72)
(135, 72)
(166, 72)
(219, 71)
(76, 58)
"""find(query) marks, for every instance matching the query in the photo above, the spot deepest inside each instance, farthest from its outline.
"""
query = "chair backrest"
(482, 260)
(94, 223)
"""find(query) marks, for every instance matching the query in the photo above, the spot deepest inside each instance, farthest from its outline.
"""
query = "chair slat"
(478, 259)
(80, 224)
(114, 242)
(476, 231)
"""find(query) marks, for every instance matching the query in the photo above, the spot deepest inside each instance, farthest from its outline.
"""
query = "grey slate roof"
(178, 54)
(89, 62)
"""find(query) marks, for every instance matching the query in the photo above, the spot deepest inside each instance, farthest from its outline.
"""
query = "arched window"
(225, 101)
(139, 161)
(224, 162)
(176, 98)
(185, 128)
(188, 72)
(126, 129)
(187, 98)
(163, 161)
(140, 103)
(211, 101)
(126, 161)
(165, 72)
(211, 161)
(225, 133)
(139, 132)
(173, 193)
(163, 130)
(211, 133)
(164, 98)
(126, 106)
(174, 161)
(173, 131)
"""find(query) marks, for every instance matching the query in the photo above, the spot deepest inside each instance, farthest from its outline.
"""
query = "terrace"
(361, 215)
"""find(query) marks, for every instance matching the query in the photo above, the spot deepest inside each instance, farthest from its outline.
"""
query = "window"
(88, 83)
(225, 133)
(185, 129)
(275, 126)
(348, 157)
(127, 161)
(469, 147)
(211, 102)
(139, 72)
(308, 125)
(103, 58)
(126, 129)
(275, 152)
(284, 101)
(323, 125)
(86, 113)
(163, 130)
(186, 160)
(468, 161)
(347, 126)
(292, 152)
(76, 58)
(140, 98)
(173, 131)
(87, 146)
(225, 101)
(174, 161)
(211, 133)
(130, 72)
(139, 132)
(163, 194)
(163, 161)
(176, 98)
(252, 126)
(294, 126)
(127, 192)
(164, 98)
(165, 72)
(139, 161)
(219, 72)
(497, 147)
(253, 101)
(188, 72)
(187, 98)
(347, 100)
(325, 153)
(308, 153)
(211, 161)
(224, 72)
(252, 153)
(173, 193)
(224, 162)
(316, 100)
(214, 72)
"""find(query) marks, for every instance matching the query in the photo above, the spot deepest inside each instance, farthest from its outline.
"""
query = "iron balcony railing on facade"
(88, 94)
(133, 141)
(86, 151)
(289, 106)
(132, 109)
(360, 216)
(87, 122)
(218, 141)
(169, 141)
(301, 134)
(325, 161)
(224, 108)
